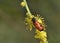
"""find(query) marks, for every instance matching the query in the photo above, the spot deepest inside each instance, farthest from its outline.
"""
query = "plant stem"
(27, 8)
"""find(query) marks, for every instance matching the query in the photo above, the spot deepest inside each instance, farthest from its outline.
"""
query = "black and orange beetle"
(37, 25)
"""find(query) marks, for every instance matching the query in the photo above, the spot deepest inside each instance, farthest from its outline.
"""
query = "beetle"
(37, 25)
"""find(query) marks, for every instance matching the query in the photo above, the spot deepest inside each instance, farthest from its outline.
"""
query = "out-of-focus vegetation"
(12, 27)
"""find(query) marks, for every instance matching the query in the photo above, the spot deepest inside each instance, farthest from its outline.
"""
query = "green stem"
(27, 8)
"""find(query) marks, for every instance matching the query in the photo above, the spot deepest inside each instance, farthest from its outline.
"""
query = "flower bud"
(23, 4)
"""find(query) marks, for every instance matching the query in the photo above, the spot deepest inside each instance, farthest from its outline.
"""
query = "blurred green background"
(12, 27)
